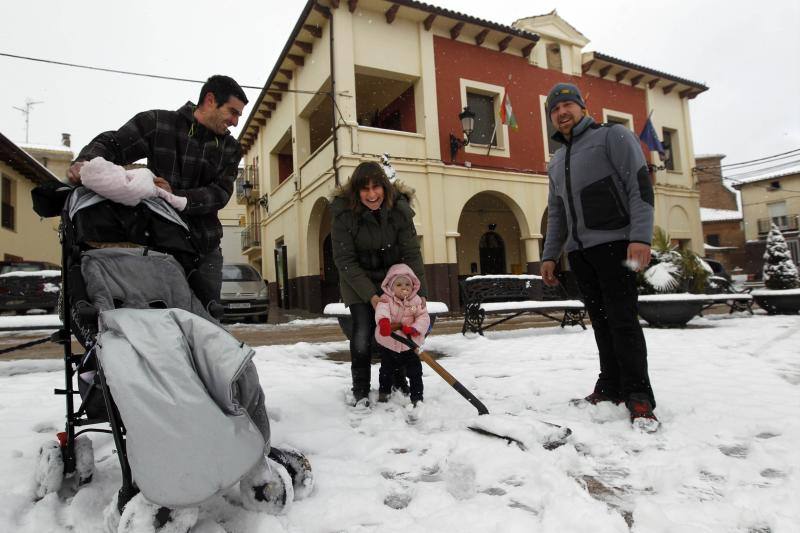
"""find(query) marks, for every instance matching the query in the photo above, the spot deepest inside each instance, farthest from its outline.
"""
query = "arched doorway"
(492, 252)
(329, 275)
(322, 279)
(490, 230)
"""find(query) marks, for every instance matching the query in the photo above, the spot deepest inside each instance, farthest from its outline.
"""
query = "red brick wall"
(730, 235)
(455, 60)
(713, 193)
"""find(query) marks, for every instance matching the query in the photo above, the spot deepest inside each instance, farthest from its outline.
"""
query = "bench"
(726, 292)
(515, 295)
(342, 314)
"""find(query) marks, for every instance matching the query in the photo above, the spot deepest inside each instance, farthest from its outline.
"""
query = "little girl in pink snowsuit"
(400, 309)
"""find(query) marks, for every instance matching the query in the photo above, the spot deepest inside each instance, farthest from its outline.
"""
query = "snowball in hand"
(632, 264)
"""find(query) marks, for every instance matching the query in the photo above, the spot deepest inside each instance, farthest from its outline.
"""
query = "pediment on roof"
(554, 27)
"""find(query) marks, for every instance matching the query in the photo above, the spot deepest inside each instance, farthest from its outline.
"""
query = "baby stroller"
(114, 301)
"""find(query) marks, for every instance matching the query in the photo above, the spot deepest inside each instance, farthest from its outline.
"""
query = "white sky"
(745, 52)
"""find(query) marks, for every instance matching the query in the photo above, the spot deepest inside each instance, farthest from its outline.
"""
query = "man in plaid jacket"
(194, 157)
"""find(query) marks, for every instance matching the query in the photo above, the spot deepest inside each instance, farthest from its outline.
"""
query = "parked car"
(717, 268)
(244, 293)
(26, 285)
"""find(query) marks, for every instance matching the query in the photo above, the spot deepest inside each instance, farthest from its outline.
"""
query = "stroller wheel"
(141, 515)
(299, 468)
(49, 472)
(267, 488)
(84, 459)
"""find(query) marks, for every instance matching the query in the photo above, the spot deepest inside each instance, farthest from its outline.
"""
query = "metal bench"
(342, 314)
(515, 295)
(723, 291)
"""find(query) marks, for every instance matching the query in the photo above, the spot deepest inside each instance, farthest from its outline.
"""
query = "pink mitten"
(178, 202)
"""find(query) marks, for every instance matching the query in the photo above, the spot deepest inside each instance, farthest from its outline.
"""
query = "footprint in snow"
(397, 500)
(767, 435)
(44, 427)
(739, 451)
(459, 480)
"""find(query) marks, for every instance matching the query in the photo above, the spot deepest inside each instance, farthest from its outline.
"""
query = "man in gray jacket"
(600, 208)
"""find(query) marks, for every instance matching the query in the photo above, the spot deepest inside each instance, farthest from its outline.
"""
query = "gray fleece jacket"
(600, 190)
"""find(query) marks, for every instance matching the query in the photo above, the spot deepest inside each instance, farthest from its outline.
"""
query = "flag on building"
(650, 138)
(507, 113)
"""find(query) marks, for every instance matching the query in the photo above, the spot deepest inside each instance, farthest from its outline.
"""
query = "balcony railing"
(247, 174)
(784, 223)
(251, 237)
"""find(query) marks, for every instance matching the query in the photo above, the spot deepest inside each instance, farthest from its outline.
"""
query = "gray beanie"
(563, 92)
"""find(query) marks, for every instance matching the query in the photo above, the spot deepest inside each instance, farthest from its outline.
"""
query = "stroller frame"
(75, 419)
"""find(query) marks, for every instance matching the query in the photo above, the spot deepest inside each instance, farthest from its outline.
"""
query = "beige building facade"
(55, 158)
(770, 199)
(23, 234)
(233, 218)
(400, 73)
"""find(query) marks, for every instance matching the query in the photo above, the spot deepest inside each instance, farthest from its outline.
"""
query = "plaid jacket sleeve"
(127, 145)
(214, 196)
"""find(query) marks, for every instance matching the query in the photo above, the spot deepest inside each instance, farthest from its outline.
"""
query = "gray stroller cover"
(186, 390)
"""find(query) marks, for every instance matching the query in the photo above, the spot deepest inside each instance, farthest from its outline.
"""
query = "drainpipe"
(333, 109)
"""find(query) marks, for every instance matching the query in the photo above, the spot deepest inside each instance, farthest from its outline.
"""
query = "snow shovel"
(491, 425)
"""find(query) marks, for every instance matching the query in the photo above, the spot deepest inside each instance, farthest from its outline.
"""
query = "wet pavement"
(309, 328)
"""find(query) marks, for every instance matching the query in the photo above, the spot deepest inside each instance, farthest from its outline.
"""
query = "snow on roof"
(708, 214)
(706, 156)
(742, 179)
(46, 147)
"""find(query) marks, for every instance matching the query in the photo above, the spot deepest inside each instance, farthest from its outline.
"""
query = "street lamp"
(247, 189)
(467, 119)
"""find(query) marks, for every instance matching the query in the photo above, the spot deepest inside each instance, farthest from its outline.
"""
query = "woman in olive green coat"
(373, 229)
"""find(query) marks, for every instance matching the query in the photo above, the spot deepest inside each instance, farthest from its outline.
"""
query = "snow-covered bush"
(779, 270)
(673, 270)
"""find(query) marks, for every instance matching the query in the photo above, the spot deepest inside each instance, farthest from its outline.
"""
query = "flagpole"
(494, 134)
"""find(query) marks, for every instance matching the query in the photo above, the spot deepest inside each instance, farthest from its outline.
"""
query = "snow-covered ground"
(725, 460)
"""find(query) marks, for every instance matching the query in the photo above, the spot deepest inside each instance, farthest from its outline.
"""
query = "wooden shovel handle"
(439, 369)
(452, 381)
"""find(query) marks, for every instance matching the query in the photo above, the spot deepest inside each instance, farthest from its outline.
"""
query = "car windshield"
(239, 273)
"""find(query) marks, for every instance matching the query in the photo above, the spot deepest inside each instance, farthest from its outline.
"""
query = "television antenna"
(27, 112)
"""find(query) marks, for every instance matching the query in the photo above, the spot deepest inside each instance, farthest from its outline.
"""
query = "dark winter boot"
(599, 397)
(416, 397)
(641, 411)
(399, 381)
(361, 378)
(298, 467)
(383, 396)
(267, 488)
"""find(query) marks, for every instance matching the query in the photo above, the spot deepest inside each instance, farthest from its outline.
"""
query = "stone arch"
(678, 225)
(491, 211)
(318, 224)
(322, 278)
